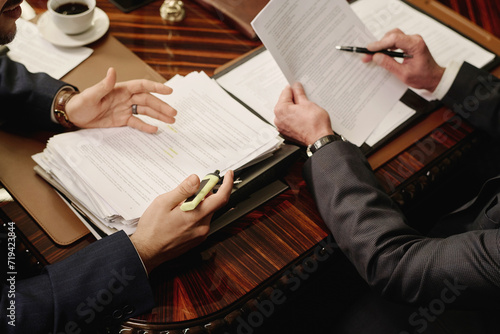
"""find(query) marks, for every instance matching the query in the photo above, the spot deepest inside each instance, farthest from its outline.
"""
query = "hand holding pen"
(419, 71)
(357, 49)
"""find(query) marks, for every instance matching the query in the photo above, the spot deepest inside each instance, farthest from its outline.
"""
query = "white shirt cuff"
(449, 75)
(139, 256)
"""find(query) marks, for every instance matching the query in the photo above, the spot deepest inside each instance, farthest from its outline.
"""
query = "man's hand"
(165, 232)
(421, 71)
(109, 104)
(299, 119)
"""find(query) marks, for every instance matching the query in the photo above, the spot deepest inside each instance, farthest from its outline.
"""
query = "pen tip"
(338, 47)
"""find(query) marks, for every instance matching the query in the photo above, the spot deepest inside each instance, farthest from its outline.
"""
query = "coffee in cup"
(72, 8)
(72, 16)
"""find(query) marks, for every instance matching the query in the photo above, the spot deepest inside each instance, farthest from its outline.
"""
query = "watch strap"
(60, 102)
(323, 141)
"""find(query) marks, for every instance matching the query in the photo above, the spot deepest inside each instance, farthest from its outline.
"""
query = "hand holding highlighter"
(206, 184)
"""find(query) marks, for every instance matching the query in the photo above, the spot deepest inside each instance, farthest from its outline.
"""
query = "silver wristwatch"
(311, 149)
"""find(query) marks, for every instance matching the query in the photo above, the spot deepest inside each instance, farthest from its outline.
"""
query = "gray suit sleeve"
(392, 257)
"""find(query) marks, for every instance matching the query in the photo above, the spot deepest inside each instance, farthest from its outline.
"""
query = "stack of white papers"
(114, 174)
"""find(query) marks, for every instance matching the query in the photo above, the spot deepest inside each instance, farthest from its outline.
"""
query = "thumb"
(185, 189)
(299, 95)
(106, 85)
(286, 96)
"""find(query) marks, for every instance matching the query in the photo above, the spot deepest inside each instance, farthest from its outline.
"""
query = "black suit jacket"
(463, 269)
(26, 97)
(103, 284)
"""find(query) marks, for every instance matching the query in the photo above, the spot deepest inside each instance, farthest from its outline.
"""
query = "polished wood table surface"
(484, 13)
(261, 257)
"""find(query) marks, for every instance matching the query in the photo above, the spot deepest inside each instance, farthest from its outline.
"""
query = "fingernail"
(192, 181)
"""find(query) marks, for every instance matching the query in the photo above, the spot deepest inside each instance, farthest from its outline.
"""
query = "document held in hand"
(302, 35)
(300, 39)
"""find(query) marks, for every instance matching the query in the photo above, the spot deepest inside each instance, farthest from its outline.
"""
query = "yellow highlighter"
(206, 184)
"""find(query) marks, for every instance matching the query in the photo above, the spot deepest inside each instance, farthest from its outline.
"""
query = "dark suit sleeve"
(104, 283)
(462, 270)
(475, 96)
(392, 257)
(26, 97)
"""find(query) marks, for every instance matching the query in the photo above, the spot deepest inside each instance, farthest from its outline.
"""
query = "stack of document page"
(113, 174)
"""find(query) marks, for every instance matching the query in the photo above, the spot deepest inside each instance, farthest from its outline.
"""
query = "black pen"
(356, 49)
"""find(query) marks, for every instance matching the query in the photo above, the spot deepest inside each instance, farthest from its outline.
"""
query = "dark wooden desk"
(267, 252)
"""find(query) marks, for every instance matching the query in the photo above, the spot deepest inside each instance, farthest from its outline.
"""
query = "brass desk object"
(173, 11)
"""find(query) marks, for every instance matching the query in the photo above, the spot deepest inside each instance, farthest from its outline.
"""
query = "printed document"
(302, 35)
(259, 81)
(445, 44)
(116, 173)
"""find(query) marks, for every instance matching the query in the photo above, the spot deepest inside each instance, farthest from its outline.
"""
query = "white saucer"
(51, 33)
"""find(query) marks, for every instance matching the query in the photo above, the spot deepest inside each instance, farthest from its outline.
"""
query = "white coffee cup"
(72, 23)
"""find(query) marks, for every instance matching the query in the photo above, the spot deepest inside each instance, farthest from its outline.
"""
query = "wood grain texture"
(237, 261)
(484, 13)
(201, 42)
